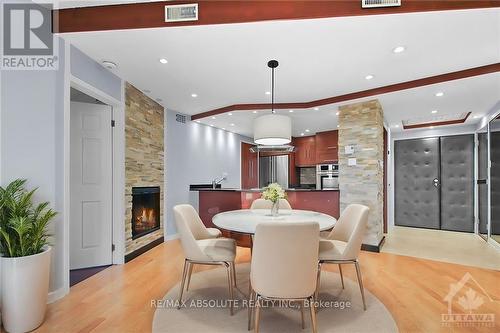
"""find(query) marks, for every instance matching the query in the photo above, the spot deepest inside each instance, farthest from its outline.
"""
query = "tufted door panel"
(416, 197)
(457, 183)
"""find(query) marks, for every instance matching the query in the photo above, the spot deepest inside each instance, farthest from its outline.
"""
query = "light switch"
(351, 162)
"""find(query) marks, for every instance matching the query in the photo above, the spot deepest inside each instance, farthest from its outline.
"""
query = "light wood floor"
(118, 299)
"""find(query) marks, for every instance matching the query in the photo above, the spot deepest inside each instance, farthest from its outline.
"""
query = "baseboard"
(172, 237)
(57, 294)
(373, 248)
(143, 249)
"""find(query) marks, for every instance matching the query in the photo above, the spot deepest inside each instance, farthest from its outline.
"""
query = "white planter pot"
(25, 287)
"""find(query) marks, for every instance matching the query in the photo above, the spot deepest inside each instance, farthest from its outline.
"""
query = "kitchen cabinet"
(249, 167)
(327, 147)
(305, 154)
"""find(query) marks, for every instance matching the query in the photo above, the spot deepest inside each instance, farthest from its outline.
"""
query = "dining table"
(245, 221)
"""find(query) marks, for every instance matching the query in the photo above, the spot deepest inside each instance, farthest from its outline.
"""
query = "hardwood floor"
(118, 299)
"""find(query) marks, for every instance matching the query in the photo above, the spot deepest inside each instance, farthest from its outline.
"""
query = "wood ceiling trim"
(151, 14)
(359, 94)
(438, 123)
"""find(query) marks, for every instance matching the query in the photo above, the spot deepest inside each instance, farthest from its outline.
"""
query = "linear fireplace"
(145, 210)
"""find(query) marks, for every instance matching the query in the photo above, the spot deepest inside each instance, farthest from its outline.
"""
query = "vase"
(25, 286)
(275, 209)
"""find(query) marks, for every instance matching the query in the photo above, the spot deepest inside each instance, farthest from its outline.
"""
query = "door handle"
(435, 182)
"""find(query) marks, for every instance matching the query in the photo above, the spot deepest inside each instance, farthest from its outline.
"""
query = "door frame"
(118, 169)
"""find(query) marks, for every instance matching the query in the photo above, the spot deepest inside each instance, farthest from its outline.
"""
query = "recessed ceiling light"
(338, 126)
(211, 125)
(198, 121)
(291, 111)
(307, 130)
(398, 49)
(231, 124)
(396, 125)
(301, 134)
(434, 111)
(163, 60)
(229, 114)
(254, 111)
(337, 113)
(431, 127)
(476, 116)
(316, 109)
(213, 117)
(439, 94)
(194, 95)
(224, 128)
(369, 77)
(268, 93)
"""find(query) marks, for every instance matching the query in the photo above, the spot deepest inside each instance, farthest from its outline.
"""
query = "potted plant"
(274, 192)
(25, 257)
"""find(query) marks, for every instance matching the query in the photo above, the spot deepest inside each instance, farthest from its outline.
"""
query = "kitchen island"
(214, 201)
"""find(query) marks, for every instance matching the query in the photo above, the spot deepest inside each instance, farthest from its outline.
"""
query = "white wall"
(196, 154)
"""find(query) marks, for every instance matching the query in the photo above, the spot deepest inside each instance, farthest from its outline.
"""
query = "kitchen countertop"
(255, 190)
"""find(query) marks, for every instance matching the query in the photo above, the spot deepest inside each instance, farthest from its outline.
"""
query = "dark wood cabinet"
(327, 147)
(249, 167)
(305, 154)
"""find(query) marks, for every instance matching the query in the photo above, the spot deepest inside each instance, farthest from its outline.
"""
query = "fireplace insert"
(145, 210)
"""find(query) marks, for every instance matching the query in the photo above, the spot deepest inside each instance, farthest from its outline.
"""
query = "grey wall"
(197, 154)
(32, 141)
(32, 134)
(86, 69)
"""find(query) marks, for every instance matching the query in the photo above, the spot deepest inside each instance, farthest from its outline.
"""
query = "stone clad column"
(361, 175)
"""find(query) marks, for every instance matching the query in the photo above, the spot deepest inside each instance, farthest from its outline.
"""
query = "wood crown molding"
(488, 69)
(438, 123)
(151, 14)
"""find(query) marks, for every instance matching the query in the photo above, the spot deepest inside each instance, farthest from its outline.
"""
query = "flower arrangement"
(273, 192)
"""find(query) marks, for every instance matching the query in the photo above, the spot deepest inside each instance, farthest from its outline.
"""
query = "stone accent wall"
(144, 151)
(362, 126)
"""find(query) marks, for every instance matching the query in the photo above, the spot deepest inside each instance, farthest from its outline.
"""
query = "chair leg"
(360, 281)
(250, 303)
(341, 276)
(190, 271)
(301, 305)
(257, 314)
(230, 282)
(318, 280)
(184, 273)
(313, 314)
(233, 266)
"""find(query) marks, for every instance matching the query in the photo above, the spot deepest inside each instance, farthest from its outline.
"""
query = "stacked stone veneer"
(144, 162)
(361, 125)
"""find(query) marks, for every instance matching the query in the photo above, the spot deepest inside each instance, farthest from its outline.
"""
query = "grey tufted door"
(457, 183)
(416, 196)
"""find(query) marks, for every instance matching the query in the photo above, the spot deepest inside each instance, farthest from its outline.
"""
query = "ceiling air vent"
(380, 3)
(180, 118)
(179, 13)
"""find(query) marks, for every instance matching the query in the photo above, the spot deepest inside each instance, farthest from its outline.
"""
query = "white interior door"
(91, 186)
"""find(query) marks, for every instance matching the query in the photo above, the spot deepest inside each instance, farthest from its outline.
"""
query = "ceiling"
(319, 58)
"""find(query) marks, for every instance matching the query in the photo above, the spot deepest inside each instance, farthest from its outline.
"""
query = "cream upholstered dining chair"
(343, 244)
(201, 247)
(284, 266)
(268, 204)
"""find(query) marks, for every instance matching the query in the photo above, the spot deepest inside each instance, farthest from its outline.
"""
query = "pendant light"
(272, 129)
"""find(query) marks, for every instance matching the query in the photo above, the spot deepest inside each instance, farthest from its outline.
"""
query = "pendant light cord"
(272, 91)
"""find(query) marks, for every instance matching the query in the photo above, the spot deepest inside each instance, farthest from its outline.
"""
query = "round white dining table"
(245, 221)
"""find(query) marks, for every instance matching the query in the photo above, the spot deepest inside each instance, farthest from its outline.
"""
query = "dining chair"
(284, 266)
(201, 248)
(268, 204)
(343, 244)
